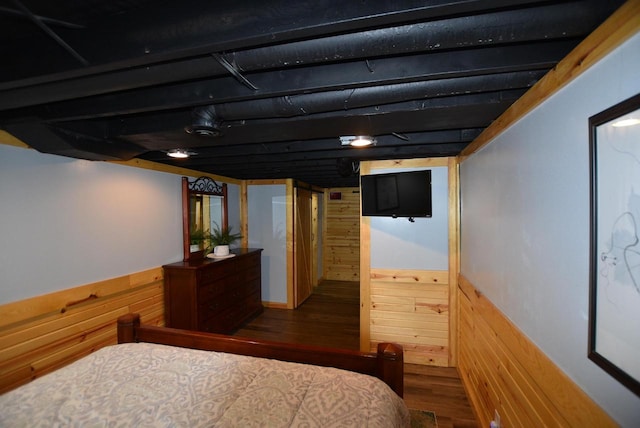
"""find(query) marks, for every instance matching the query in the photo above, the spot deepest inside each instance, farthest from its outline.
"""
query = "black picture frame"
(614, 289)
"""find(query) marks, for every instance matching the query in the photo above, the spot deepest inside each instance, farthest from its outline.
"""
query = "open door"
(303, 264)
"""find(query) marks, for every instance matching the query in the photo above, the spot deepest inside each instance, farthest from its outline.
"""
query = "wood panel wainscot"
(502, 369)
(43, 333)
(214, 295)
(341, 249)
(411, 307)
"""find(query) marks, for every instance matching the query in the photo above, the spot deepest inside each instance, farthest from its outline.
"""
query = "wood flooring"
(330, 317)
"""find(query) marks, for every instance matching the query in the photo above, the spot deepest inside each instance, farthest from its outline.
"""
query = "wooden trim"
(386, 364)
(267, 181)
(410, 276)
(619, 27)
(365, 272)
(290, 256)
(314, 239)
(10, 140)
(303, 253)
(405, 163)
(160, 167)
(225, 206)
(454, 259)
(325, 247)
(60, 302)
(186, 221)
(274, 305)
(244, 213)
(503, 369)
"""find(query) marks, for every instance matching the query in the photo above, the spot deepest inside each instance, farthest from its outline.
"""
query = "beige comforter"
(142, 384)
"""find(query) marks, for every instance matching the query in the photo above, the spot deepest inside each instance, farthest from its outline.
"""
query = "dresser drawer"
(248, 261)
(223, 299)
(213, 290)
(214, 310)
(226, 321)
(216, 271)
(246, 288)
(249, 273)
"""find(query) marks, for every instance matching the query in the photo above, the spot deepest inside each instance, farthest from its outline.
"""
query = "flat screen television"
(400, 194)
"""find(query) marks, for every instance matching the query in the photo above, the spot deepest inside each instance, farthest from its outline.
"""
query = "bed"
(168, 377)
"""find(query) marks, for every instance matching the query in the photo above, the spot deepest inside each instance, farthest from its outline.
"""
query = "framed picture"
(614, 295)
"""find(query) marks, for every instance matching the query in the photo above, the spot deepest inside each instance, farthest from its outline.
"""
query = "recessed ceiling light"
(180, 153)
(357, 140)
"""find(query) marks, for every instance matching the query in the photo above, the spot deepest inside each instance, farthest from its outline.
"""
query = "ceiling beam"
(205, 154)
(354, 74)
(543, 22)
(170, 31)
(466, 111)
(282, 160)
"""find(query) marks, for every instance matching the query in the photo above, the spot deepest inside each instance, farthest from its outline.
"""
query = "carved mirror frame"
(193, 189)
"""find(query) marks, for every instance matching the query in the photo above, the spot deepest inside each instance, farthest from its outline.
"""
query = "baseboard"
(274, 305)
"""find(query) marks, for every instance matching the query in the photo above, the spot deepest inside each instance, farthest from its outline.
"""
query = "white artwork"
(615, 277)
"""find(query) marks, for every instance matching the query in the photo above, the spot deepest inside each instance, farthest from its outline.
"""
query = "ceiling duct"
(348, 167)
(54, 140)
(204, 122)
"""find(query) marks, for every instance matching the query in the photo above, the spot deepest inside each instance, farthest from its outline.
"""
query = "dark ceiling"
(279, 81)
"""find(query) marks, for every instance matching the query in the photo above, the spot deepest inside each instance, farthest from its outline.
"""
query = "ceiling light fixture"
(357, 140)
(180, 153)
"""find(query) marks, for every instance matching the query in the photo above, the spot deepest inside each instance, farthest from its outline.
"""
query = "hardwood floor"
(330, 317)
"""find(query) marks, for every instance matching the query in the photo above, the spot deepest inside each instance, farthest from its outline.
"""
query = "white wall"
(396, 243)
(66, 222)
(525, 223)
(268, 230)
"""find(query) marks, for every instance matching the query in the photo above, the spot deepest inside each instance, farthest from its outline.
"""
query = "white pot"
(221, 250)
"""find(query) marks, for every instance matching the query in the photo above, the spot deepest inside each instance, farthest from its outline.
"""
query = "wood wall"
(341, 251)
(503, 370)
(417, 308)
(500, 367)
(41, 334)
(411, 308)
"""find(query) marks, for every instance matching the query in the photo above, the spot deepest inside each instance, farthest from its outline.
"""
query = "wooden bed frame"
(387, 364)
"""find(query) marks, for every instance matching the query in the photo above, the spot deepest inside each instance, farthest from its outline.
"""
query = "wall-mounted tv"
(400, 194)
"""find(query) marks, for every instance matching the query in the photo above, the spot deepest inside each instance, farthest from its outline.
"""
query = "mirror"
(204, 208)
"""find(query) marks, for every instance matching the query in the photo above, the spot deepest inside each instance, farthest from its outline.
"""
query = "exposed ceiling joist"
(277, 82)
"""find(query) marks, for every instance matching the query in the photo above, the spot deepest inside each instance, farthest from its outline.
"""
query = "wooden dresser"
(210, 295)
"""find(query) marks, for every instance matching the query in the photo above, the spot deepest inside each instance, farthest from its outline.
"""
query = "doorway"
(303, 249)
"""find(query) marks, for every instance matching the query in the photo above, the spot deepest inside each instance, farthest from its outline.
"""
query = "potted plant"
(198, 239)
(221, 238)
